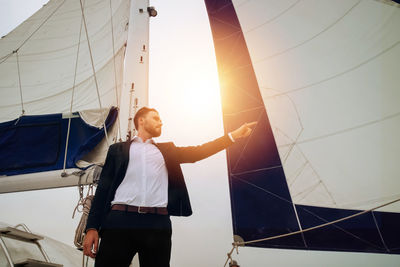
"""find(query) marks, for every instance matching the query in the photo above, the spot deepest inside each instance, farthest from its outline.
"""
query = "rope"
(94, 71)
(72, 98)
(19, 83)
(115, 70)
(237, 244)
(86, 204)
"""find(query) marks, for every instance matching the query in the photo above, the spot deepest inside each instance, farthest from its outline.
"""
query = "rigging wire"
(72, 99)
(94, 71)
(115, 72)
(238, 244)
(19, 84)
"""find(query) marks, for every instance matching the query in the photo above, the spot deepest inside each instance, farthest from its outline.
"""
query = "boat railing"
(10, 238)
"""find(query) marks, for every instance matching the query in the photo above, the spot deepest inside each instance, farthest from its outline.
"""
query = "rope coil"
(85, 204)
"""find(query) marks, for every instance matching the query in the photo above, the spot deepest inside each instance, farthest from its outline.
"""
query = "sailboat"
(297, 131)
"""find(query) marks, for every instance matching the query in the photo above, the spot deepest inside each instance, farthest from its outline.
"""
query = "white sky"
(184, 88)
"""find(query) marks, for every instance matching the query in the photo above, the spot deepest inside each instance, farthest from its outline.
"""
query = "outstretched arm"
(192, 154)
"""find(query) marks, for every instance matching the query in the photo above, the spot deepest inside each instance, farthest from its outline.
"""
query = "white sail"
(328, 73)
(73, 56)
(46, 64)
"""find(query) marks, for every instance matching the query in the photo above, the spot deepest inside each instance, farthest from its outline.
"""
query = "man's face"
(152, 124)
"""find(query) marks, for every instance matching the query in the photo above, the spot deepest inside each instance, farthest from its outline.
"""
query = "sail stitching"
(30, 36)
(379, 232)
(299, 224)
(391, 116)
(247, 142)
(274, 18)
(318, 226)
(243, 111)
(298, 172)
(235, 245)
(262, 189)
(340, 73)
(254, 98)
(227, 23)
(307, 161)
(343, 230)
(58, 94)
(257, 170)
(286, 156)
(307, 191)
(120, 51)
(220, 8)
(290, 202)
(4, 58)
(311, 38)
(228, 36)
(372, 201)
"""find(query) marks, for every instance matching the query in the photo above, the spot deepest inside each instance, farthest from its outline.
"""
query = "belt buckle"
(141, 212)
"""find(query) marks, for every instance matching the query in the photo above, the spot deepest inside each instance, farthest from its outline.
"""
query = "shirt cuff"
(230, 137)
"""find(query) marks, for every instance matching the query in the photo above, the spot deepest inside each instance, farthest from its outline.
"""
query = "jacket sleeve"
(100, 198)
(192, 154)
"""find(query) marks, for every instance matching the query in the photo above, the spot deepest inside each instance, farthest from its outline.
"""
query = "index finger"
(251, 124)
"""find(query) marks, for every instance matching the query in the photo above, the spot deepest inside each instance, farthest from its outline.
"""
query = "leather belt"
(142, 210)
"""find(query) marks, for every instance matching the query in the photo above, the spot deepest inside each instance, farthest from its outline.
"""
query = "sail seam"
(309, 39)
(379, 232)
(318, 226)
(257, 170)
(340, 73)
(30, 36)
(345, 231)
(274, 18)
(248, 141)
(343, 131)
(19, 84)
(243, 111)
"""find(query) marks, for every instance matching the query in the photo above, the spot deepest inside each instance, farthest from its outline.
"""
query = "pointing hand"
(244, 130)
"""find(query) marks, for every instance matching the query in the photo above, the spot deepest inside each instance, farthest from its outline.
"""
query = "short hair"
(141, 113)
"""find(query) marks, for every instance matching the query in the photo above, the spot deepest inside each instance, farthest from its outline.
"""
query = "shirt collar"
(139, 139)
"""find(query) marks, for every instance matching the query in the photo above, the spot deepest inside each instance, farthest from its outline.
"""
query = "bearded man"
(140, 187)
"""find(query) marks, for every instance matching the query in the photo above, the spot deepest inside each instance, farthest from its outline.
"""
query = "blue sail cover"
(261, 202)
(37, 143)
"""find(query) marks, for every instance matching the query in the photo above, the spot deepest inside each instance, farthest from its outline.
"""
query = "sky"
(183, 86)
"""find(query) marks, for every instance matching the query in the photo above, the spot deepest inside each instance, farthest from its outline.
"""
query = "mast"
(136, 74)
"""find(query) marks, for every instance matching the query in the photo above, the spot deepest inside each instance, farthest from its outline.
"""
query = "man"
(140, 186)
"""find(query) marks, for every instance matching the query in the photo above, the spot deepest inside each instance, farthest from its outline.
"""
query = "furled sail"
(61, 74)
(321, 78)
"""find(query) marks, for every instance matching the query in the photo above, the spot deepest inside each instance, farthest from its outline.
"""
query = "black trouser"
(128, 233)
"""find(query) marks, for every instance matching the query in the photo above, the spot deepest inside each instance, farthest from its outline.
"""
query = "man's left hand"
(243, 131)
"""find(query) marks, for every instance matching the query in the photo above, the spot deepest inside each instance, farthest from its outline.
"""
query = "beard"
(154, 131)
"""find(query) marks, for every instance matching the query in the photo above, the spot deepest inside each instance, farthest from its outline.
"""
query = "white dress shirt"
(146, 180)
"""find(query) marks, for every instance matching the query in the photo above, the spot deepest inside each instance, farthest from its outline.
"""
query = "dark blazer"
(116, 163)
